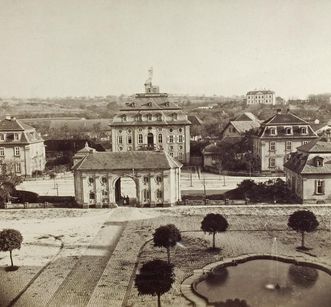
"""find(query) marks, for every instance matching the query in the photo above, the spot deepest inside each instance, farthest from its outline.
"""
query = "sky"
(62, 48)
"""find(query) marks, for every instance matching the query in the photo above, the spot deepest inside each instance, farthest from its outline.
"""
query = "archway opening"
(125, 191)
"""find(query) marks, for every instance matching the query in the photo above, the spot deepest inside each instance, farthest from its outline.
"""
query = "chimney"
(279, 111)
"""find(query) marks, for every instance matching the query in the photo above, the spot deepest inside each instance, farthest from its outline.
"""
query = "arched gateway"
(98, 176)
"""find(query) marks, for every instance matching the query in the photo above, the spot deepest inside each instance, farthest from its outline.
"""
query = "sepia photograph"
(172, 153)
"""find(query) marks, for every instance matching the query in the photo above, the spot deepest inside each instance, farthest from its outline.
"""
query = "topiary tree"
(213, 223)
(10, 239)
(155, 278)
(303, 221)
(167, 236)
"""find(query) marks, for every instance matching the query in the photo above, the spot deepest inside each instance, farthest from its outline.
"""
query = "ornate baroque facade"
(97, 178)
(151, 122)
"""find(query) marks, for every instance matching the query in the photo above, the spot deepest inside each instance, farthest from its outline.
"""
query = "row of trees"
(156, 276)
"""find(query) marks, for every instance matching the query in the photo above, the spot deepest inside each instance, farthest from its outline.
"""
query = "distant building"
(196, 128)
(261, 97)
(98, 175)
(278, 137)
(151, 122)
(308, 171)
(240, 125)
(21, 147)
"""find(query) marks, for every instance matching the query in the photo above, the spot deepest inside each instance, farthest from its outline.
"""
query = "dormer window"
(159, 117)
(288, 130)
(149, 117)
(273, 131)
(139, 118)
(303, 130)
(16, 136)
(174, 116)
(166, 103)
(149, 104)
(319, 161)
(124, 118)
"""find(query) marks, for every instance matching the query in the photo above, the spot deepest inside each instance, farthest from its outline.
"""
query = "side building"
(151, 122)
(260, 97)
(21, 147)
(279, 136)
(98, 176)
(308, 171)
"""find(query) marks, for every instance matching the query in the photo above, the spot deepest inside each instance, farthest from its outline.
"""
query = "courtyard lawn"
(61, 246)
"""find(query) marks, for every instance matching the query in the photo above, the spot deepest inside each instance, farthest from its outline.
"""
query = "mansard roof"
(304, 160)
(138, 160)
(13, 124)
(285, 119)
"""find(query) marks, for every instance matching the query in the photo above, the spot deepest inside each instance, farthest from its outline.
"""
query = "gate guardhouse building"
(156, 176)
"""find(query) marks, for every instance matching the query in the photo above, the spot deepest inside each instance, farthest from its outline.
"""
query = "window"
(171, 138)
(319, 187)
(180, 138)
(171, 130)
(171, 147)
(91, 180)
(158, 179)
(180, 156)
(146, 180)
(140, 138)
(159, 117)
(149, 117)
(104, 193)
(272, 131)
(16, 136)
(2, 152)
(180, 147)
(319, 161)
(92, 195)
(159, 138)
(129, 139)
(304, 142)
(123, 118)
(288, 146)
(272, 162)
(288, 130)
(120, 139)
(171, 154)
(139, 118)
(2, 137)
(180, 129)
(104, 180)
(16, 151)
(159, 194)
(17, 167)
(146, 195)
(174, 116)
(303, 130)
(272, 146)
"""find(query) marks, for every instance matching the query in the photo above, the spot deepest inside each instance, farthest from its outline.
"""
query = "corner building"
(152, 122)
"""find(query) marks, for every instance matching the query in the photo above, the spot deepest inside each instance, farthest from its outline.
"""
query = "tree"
(167, 236)
(303, 221)
(10, 239)
(213, 223)
(155, 278)
(8, 180)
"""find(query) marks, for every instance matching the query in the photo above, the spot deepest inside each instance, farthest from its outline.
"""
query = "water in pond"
(268, 283)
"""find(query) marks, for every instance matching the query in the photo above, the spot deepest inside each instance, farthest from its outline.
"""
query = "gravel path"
(78, 286)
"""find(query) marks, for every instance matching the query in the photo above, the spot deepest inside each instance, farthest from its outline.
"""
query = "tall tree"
(167, 236)
(303, 221)
(155, 278)
(8, 180)
(213, 223)
(10, 239)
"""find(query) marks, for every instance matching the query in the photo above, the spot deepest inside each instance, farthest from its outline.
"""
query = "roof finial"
(150, 75)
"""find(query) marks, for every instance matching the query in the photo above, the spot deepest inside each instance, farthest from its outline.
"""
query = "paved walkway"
(79, 285)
